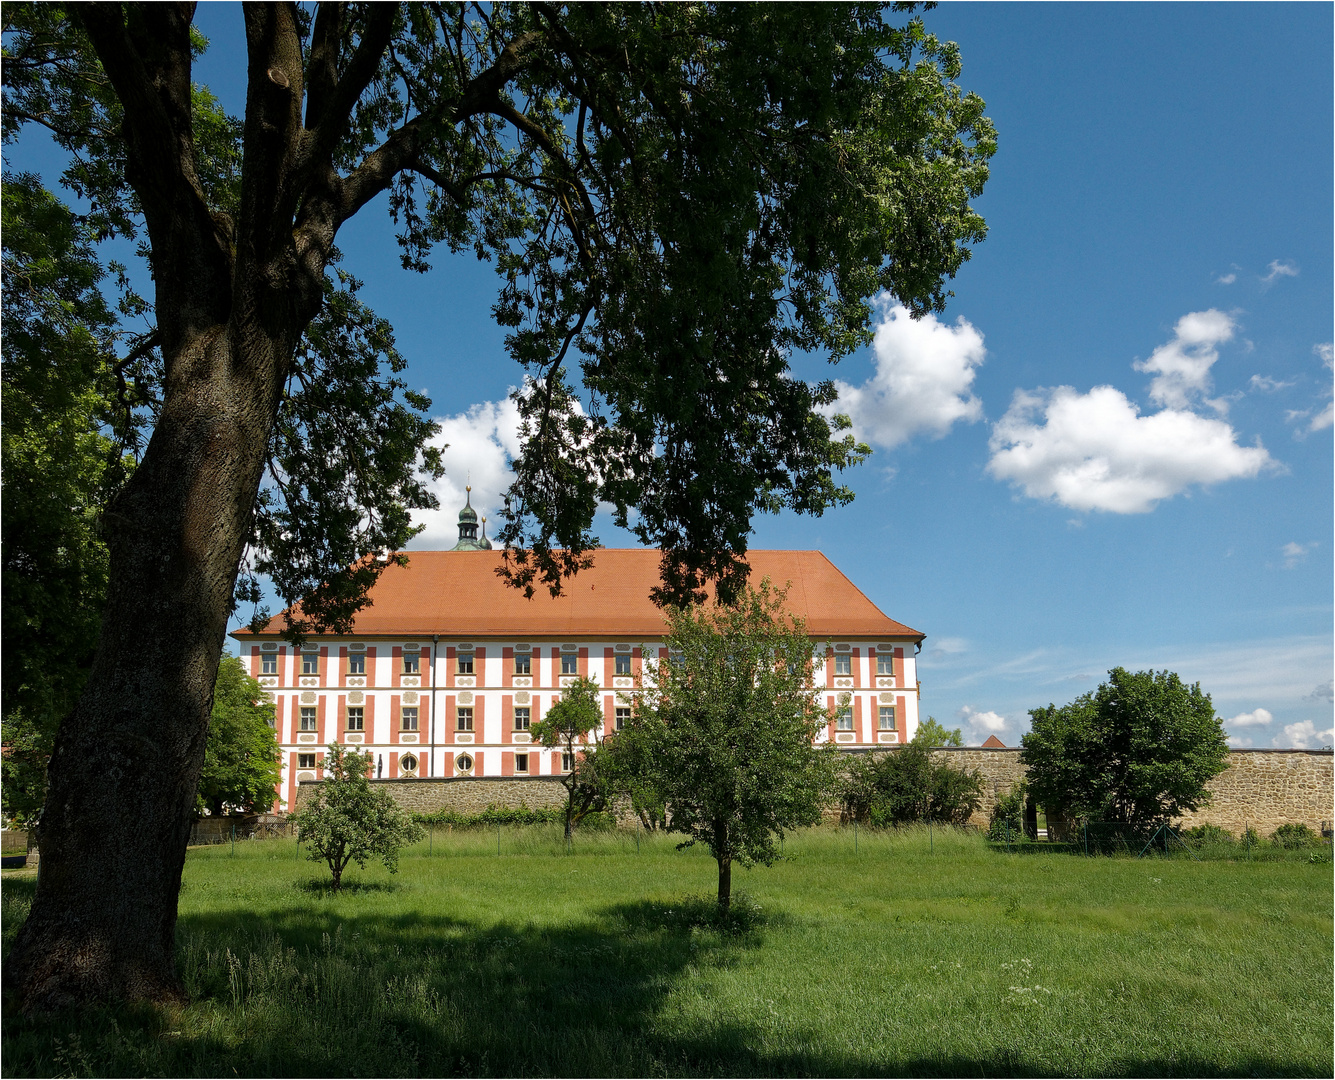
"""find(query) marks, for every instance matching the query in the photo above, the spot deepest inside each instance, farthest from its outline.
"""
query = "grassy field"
(914, 955)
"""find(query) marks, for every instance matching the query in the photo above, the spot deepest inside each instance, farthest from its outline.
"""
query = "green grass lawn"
(914, 955)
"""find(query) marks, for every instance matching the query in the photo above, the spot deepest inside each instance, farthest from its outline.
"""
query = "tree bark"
(126, 762)
(724, 884)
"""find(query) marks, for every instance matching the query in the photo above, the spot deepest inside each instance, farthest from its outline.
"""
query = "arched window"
(408, 763)
(463, 764)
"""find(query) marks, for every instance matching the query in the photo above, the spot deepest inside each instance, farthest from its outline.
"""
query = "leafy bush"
(1007, 821)
(1207, 834)
(1294, 837)
(905, 785)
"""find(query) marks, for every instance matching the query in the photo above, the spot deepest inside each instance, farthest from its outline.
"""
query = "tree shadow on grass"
(315, 990)
(321, 887)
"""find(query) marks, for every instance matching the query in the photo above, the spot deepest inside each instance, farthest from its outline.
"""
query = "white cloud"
(1304, 736)
(1267, 385)
(982, 724)
(481, 443)
(948, 646)
(1255, 718)
(1280, 269)
(1324, 692)
(1182, 366)
(924, 371)
(1095, 452)
(1295, 553)
(1325, 350)
(1226, 279)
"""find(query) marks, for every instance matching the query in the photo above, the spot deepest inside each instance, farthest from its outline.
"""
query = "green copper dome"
(468, 540)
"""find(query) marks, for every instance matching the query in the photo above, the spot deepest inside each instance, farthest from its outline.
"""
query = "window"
(412, 663)
(623, 664)
(409, 719)
(521, 719)
(843, 664)
(269, 664)
(408, 763)
(887, 718)
(308, 718)
(523, 663)
(310, 663)
(465, 663)
(676, 659)
(567, 761)
(885, 665)
(843, 719)
(356, 663)
(622, 717)
(465, 720)
(521, 763)
(305, 761)
(464, 763)
(356, 718)
(569, 664)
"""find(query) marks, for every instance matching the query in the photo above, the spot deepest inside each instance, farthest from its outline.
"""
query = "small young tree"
(1139, 750)
(241, 760)
(932, 732)
(571, 725)
(348, 821)
(727, 730)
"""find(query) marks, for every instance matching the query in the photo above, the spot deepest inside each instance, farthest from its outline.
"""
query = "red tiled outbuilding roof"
(993, 743)
(458, 594)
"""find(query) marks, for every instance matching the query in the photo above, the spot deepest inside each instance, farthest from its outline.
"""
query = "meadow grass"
(914, 955)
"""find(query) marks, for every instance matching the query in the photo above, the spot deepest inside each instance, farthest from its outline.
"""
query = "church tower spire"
(468, 540)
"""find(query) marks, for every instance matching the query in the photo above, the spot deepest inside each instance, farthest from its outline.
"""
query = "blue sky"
(1115, 446)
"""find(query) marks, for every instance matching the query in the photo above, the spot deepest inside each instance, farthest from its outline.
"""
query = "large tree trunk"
(126, 762)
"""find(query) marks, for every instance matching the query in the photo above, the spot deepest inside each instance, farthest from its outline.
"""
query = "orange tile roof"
(458, 594)
(994, 743)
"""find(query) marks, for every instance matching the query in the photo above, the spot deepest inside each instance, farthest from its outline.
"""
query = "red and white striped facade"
(441, 705)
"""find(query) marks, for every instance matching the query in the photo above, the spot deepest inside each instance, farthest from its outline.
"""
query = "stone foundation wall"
(1261, 788)
(463, 794)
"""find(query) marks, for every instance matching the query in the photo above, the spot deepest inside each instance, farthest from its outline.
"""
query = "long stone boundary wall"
(463, 794)
(1261, 788)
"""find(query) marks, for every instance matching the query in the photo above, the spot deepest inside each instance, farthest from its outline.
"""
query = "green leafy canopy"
(1138, 750)
(241, 759)
(675, 199)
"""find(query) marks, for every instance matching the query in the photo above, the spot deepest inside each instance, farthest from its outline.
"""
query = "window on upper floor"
(310, 663)
(567, 761)
(308, 721)
(843, 664)
(886, 718)
(412, 663)
(357, 663)
(409, 718)
(356, 718)
(843, 719)
(465, 719)
(465, 663)
(622, 717)
(305, 761)
(523, 663)
(522, 714)
(885, 665)
(623, 664)
(268, 663)
(569, 663)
